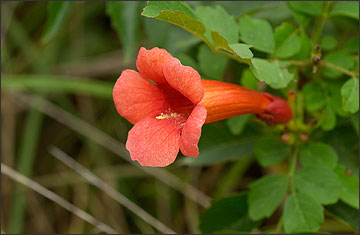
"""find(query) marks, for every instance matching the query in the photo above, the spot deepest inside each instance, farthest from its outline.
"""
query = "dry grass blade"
(55, 198)
(111, 144)
(102, 185)
(72, 178)
(93, 67)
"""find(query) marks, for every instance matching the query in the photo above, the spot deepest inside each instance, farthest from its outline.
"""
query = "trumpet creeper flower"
(168, 103)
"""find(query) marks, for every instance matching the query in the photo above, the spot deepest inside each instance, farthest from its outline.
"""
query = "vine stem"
(293, 160)
(305, 63)
(333, 66)
(278, 226)
(321, 22)
(300, 63)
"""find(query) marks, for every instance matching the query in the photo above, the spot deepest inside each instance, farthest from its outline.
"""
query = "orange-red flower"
(168, 114)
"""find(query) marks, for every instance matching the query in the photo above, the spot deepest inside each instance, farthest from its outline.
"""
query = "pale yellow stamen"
(166, 116)
(163, 116)
(175, 115)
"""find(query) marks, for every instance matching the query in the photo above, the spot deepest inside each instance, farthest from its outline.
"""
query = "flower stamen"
(163, 116)
(167, 116)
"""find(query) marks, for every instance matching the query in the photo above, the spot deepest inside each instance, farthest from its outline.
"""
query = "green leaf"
(257, 32)
(349, 187)
(57, 84)
(215, 133)
(242, 50)
(238, 123)
(214, 34)
(306, 47)
(345, 213)
(352, 45)
(157, 32)
(334, 87)
(318, 155)
(175, 12)
(271, 73)
(327, 120)
(57, 14)
(154, 8)
(187, 60)
(225, 214)
(125, 21)
(265, 195)
(287, 41)
(314, 96)
(239, 48)
(345, 141)
(302, 214)
(181, 41)
(312, 8)
(222, 152)
(212, 65)
(218, 20)
(350, 95)
(320, 183)
(271, 150)
(339, 58)
(355, 122)
(346, 8)
(301, 18)
(244, 225)
(220, 42)
(249, 80)
(328, 43)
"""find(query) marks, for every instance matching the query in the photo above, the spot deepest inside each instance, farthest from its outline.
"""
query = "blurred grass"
(30, 137)
(53, 84)
(24, 165)
(57, 14)
(230, 179)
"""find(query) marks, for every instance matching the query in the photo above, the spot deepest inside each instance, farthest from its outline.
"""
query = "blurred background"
(58, 66)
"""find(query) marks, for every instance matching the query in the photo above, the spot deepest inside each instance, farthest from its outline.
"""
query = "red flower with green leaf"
(169, 103)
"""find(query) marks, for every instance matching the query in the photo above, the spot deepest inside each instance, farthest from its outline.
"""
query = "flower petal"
(136, 97)
(184, 79)
(154, 142)
(150, 63)
(192, 131)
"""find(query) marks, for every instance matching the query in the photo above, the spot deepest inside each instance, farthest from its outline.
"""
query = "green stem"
(299, 105)
(293, 161)
(321, 22)
(305, 63)
(338, 68)
(278, 226)
(300, 63)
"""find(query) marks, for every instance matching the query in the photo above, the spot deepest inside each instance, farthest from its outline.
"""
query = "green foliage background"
(296, 178)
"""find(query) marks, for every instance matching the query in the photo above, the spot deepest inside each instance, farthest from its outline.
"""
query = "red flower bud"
(278, 111)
